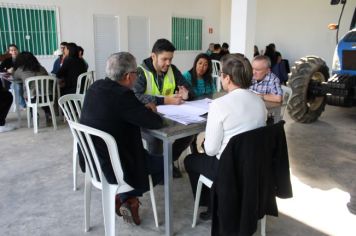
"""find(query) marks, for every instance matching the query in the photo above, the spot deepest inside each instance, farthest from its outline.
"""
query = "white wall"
(76, 20)
(298, 28)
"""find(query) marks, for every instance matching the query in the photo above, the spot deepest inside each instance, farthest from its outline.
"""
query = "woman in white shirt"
(240, 110)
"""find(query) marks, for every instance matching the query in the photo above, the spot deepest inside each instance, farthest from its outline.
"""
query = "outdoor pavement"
(36, 196)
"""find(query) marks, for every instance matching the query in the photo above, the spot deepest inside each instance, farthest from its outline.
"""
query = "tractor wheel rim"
(315, 103)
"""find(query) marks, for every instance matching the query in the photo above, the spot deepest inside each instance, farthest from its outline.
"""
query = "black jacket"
(115, 109)
(253, 170)
(141, 83)
(70, 70)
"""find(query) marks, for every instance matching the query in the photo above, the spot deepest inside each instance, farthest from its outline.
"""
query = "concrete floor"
(36, 196)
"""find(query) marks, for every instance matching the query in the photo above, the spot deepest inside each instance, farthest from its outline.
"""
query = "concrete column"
(243, 27)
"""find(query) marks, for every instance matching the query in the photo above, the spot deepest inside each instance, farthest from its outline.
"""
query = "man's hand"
(151, 106)
(183, 92)
(175, 99)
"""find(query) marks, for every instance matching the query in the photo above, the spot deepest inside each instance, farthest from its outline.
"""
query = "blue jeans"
(18, 88)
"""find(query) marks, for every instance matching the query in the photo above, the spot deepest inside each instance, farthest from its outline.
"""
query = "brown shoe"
(117, 205)
(129, 210)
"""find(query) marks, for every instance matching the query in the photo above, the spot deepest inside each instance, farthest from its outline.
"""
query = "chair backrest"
(84, 81)
(41, 90)
(287, 95)
(71, 105)
(215, 73)
(84, 137)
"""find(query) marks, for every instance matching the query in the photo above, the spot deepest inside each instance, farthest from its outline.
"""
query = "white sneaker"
(6, 128)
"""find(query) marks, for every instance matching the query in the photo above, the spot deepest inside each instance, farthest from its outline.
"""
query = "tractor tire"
(302, 107)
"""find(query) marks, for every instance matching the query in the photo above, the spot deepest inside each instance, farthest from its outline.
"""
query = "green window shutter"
(31, 28)
(187, 33)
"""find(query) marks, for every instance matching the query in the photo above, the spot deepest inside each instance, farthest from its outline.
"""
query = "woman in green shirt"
(199, 77)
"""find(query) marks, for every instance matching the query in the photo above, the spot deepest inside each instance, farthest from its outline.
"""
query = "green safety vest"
(169, 83)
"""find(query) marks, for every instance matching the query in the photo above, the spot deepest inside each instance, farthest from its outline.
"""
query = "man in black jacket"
(111, 106)
(160, 82)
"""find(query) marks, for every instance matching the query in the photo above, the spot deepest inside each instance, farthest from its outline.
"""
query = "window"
(187, 33)
(31, 28)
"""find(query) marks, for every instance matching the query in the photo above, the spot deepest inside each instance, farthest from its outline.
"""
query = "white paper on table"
(186, 113)
(197, 108)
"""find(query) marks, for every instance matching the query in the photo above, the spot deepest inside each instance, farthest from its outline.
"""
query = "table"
(172, 131)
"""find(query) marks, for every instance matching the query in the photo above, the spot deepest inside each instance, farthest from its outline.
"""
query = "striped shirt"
(269, 85)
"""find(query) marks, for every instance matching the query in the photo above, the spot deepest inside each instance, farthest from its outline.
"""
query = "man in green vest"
(159, 82)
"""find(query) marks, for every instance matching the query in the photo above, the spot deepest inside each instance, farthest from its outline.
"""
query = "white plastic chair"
(215, 74)
(287, 95)
(94, 176)
(88, 79)
(71, 105)
(42, 90)
(207, 182)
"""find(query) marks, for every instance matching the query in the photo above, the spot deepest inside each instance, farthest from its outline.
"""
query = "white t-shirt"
(238, 111)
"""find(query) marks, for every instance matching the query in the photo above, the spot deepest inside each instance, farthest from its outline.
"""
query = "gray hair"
(263, 58)
(119, 64)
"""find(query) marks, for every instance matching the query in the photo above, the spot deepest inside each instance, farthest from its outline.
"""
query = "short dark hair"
(225, 45)
(63, 43)
(163, 45)
(80, 49)
(217, 46)
(239, 68)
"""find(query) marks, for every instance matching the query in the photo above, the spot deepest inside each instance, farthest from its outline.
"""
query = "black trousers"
(155, 169)
(197, 164)
(5, 104)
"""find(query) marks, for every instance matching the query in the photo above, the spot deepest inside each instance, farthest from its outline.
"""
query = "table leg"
(168, 180)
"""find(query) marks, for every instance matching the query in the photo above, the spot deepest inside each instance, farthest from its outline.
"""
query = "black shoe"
(205, 215)
(176, 172)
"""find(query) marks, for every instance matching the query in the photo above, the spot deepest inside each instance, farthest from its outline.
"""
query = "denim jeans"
(18, 89)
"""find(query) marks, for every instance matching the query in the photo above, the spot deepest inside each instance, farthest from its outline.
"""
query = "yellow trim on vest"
(169, 83)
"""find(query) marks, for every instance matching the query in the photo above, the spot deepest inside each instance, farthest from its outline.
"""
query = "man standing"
(160, 82)
(264, 82)
(111, 106)
(240, 110)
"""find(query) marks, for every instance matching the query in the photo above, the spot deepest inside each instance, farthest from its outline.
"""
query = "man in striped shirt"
(264, 82)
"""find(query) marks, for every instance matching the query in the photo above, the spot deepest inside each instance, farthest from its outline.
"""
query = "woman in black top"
(72, 67)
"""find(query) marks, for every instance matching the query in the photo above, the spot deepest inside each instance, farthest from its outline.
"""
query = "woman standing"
(199, 77)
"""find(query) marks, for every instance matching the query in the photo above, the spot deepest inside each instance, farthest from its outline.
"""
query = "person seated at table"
(72, 67)
(111, 106)
(8, 63)
(159, 82)
(8, 66)
(238, 111)
(264, 82)
(5, 104)
(27, 66)
(200, 79)
(199, 76)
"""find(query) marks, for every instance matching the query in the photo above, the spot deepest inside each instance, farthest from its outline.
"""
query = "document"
(186, 113)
